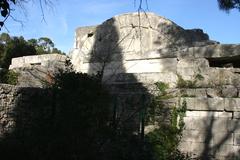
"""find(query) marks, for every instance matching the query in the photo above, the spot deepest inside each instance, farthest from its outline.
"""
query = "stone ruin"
(133, 51)
(38, 70)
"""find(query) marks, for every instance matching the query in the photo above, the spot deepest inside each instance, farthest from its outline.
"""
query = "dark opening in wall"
(35, 64)
(225, 62)
(90, 34)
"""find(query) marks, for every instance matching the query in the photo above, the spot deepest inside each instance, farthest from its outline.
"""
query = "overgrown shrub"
(181, 83)
(8, 77)
(163, 141)
(72, 120)
(161, 86)
(69, 120)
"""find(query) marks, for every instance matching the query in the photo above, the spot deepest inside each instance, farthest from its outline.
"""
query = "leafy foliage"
(7, 6)
(162, 87)
(9, 77)
(11, 47)
(82, 113)
(69, 120)
(229, 4)
(164, 139)
(15, 47)
(181, 83)
(44, 45)
(5, 9)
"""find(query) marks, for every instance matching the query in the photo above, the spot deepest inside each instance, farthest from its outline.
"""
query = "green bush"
(8, 77)
(199, 77)
(181, 83)
(162, 142)
(162, 87)
(69, 120)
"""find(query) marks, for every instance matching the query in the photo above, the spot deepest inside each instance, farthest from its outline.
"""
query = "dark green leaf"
(4, 13)
(1, 23)
(5, 5)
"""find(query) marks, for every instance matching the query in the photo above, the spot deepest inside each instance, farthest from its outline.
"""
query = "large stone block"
(202, 103)
(214, 114)
(229, 91)
(185, 53)
(213, 92)
(195, 136)
(236, 115)
(225, 150)
(193, 62)
(135, 66)
(208, 125)
(146, 78)
(28, 61)
(186, 73)
(222, 138)
(234, 126)
(216, 50)
(232, 104)
(237, 139)
(186, 92)
(198, 149)
(216, 103)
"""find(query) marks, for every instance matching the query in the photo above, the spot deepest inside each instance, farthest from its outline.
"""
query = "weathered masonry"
(133, 51)
(20, 106)
(37, 70)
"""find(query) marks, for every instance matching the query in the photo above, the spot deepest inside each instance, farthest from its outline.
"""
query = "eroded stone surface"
(134, 54)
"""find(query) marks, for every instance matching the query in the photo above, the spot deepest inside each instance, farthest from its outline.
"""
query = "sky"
(64, 16)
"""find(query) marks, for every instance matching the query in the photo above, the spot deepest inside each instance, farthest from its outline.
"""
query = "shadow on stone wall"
(219, 138)
(130, 99)
(37, 134)
(27, 129)
(53, 123)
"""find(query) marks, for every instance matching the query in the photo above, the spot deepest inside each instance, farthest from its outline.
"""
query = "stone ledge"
(27, 61)
(212, 104)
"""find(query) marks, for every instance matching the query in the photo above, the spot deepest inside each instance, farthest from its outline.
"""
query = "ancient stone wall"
(45, 60)
(212, 122)
(8, 94)
(133, 51)
(38, 70)
(20, 107)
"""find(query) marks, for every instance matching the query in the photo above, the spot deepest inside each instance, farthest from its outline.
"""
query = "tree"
(46, 43)
(16, 47)
(32, 42)
(229, 4)
(4, 38)
(55, 50)
(11, 47)
(6, 7)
